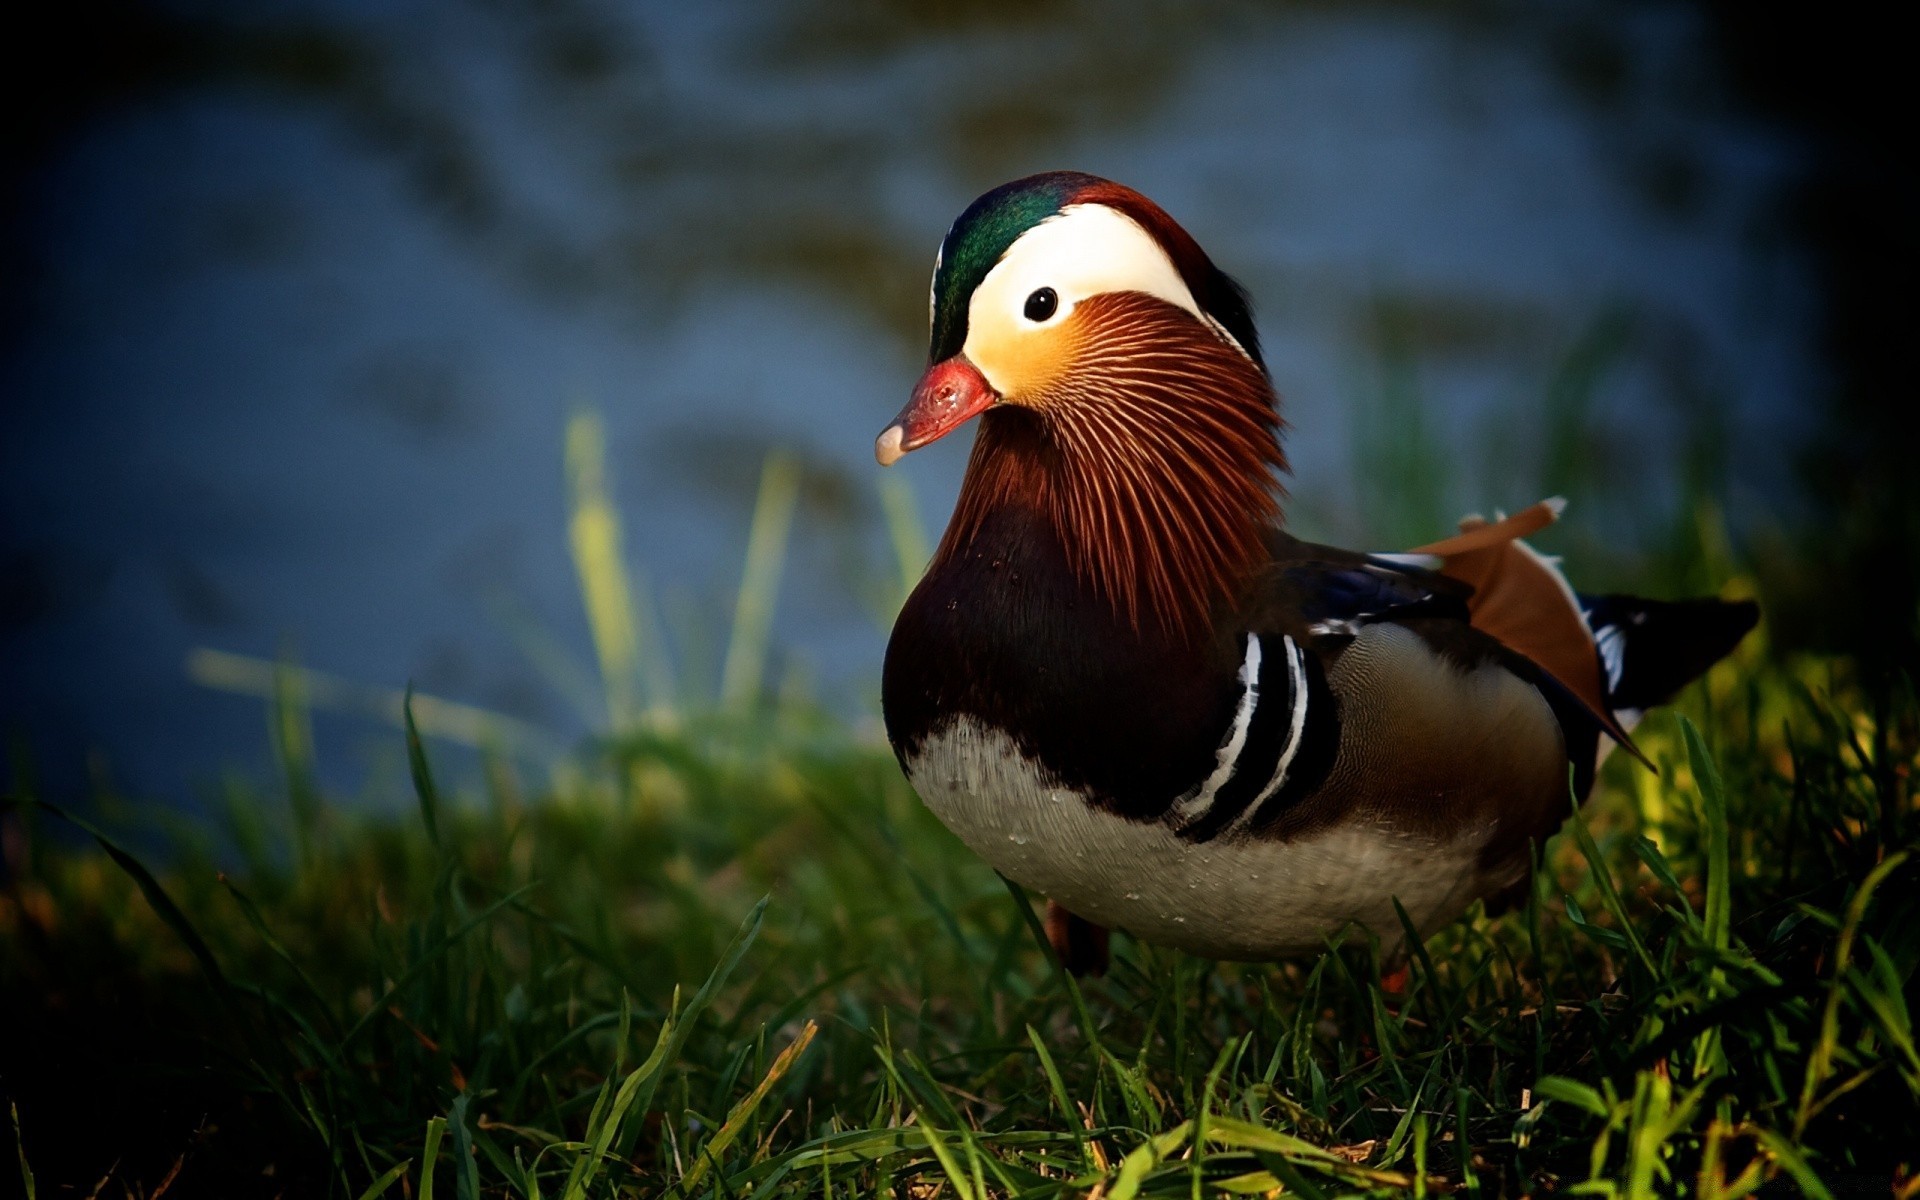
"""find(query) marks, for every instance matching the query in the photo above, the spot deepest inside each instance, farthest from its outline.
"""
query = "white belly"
(1242, 899)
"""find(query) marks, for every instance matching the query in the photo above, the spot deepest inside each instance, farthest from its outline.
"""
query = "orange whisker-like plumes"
(1155, 458)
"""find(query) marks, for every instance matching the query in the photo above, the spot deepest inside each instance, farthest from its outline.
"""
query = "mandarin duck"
(1128, 688)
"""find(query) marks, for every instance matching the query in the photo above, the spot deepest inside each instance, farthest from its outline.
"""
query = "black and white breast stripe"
(1276, 749)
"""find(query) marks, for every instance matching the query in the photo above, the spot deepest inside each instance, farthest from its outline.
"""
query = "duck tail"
(1650, 649)
(1523, 601)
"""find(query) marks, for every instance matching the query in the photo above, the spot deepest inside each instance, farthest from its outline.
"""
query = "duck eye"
(1042, 304)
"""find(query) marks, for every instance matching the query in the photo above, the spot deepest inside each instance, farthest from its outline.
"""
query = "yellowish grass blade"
(448, 720)
(743, 675)
(906, 531)
(26, 1172)
(737, 1119)
(594, 532)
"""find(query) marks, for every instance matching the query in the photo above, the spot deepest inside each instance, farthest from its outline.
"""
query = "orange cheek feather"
(1025, 364)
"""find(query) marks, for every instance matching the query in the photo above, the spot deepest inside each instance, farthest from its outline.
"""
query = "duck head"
(1118, 376)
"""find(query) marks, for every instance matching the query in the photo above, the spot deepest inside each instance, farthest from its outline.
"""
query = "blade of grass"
(422, 772)
(1144, 1158)
(1403, 1128)
(466, 1170)
(462, 724)
(1820, 1061)
(1429, 995)
(426, 959)
(920, 1081)
(743, 676)
(1788, 1155)
(1057, 1086)
(430, 1155)
(156, 896)
(737, 1119)
(1463, 1143)
(599, 561)
(1025, 908)
(906, 532)
(378, 1187)
(290, 724)
(251, 913)
(1571, 1091)
(1229, 1052)
(1609, 896)
(20, 1148)
(1287, 1176)
(1709, 1057)
(956, 1178)
(1706, 776)
(736, 950)
(610, 1113)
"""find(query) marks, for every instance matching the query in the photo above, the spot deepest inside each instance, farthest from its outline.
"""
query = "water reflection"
(313, 294)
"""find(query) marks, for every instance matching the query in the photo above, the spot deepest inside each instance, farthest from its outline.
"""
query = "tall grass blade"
(437, 717)
(1418, 949)
(906, 532)
(737, 1119)
(960, 1180)
(1709, 1056)
(250, 912)
(466, 1168)
(156, 896)
(1389, 430)
(430, 1155)
(595, 536)
(1706, 776)
(1794, 1163)
(743, 676)
(609, 1113)
(378, 1187)
(1024, 907)
(1826, 1043)
(657, 678)
(1571, 1091)
(1055, 1084)
(426, 960)
(717, 979)
(1609, 895)
(290, 724)
(637, 1090)
(551, 658)
(1144, 1158)
(20, 1148)
(422, 771)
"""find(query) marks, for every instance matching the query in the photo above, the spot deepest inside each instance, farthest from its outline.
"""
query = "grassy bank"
(734, 956)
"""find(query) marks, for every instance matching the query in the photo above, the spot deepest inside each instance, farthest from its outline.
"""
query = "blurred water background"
(299, 302)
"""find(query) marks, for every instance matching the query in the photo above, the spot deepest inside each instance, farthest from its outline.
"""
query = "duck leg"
(1081, 945)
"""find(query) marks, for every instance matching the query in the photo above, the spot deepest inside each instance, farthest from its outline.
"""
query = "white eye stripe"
(1084, 250)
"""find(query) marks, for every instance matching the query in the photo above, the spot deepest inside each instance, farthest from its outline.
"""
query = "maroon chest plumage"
(1002, 632)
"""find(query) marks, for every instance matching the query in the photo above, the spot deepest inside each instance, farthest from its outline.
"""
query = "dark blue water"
(310, 307)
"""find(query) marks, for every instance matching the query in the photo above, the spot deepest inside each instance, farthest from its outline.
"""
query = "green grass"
(739, 958)
(724, 951)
